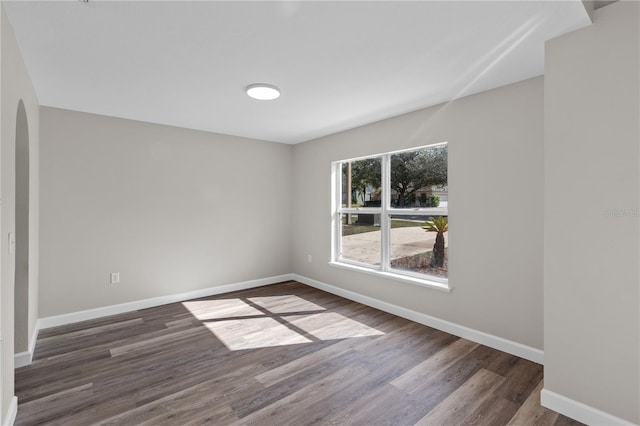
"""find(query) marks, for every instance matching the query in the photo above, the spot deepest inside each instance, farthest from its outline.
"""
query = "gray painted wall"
(591, 250)
(172, 210)
(495, 209)
(16, 85)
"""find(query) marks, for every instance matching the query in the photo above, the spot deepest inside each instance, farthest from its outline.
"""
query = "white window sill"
(397, 277)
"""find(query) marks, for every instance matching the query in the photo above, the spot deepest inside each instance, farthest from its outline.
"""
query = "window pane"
(419, 178)
(416, 249)
(364, 178)
(360, 235)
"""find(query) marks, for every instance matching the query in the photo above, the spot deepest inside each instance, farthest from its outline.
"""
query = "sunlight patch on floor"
(261, 322)
(219, 309)
(253, 333)
(286, 303)
(331, 326)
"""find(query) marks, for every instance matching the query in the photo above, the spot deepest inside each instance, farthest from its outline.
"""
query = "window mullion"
(384, 216)
(337, 216)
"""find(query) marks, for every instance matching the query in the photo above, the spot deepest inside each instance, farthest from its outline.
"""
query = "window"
(390, 215)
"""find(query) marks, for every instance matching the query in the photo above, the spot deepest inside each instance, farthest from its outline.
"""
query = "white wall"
(172, 210)
(15, 85)
(495, 209)
(591, 258)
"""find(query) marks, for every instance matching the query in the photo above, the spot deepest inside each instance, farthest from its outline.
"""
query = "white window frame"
(385, 211)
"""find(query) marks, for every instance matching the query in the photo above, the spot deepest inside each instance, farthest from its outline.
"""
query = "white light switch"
(115, 277)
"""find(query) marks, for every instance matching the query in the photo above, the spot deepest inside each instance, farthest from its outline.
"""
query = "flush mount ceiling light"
(263, 92)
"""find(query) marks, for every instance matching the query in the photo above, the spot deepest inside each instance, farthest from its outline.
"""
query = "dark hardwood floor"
(284, 354)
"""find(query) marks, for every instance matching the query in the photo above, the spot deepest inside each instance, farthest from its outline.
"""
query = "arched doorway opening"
(21, 308)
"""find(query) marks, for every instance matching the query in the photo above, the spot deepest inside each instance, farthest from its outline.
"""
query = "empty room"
(318, 212)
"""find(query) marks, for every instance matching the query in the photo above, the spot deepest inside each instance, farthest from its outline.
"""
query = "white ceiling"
(339, 64)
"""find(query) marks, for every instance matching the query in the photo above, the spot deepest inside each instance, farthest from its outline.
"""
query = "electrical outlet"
(115, 277)
(309, 258)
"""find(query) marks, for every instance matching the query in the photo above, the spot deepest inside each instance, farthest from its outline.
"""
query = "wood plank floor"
(284, 354)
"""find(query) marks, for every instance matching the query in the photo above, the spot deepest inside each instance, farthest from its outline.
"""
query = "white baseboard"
(12, 411)
(23, 359)
(514, 348)
(579, 411)
(89, 314)
(34, 337)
